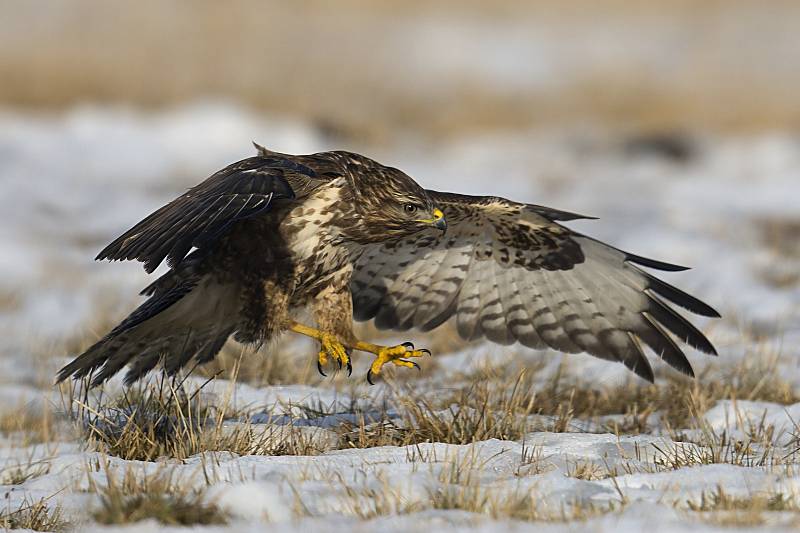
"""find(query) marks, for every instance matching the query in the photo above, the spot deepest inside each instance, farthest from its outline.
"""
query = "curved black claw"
(408, 346)
(339, 362)
(319, 369)
(413, 363)
(349, 368)
(427, 351)
(369, 377)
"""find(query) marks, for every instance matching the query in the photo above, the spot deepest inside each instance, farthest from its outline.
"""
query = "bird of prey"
(348, 238)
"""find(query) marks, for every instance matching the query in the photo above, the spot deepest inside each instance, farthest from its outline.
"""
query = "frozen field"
(580, 443)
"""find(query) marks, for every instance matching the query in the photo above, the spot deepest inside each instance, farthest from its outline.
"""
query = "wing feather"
(493, 313)
(443, 290)
(203, 214)
(525, 331)
(663, 345)
(469, 306)
(509, 272)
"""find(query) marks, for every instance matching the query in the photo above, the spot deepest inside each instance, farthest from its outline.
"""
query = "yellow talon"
(331, 346)
(394, 354)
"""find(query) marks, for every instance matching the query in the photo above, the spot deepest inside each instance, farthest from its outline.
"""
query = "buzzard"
(348, 238)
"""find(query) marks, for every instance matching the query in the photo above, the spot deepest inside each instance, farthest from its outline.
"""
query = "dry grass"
(679, 401)
(164, 419)
(19, 473)
(36, 516)
(722, 509)
(133, 497)
(524, 506)
(709, 449)
(29, 426)
(459, 488)
(586, 470)
(477, 412)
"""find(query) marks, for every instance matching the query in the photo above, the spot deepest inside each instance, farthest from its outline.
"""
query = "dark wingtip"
(105, 253)
(645, 372)
(61, 376)
(678, 325)
(653, 263)
(73, 369)
(558, 214)
(681, 298)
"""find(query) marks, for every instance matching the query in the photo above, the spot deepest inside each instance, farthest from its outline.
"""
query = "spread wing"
(509, 272)
(205, 212)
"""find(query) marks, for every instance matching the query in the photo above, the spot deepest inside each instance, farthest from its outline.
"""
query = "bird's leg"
(397, 355)
(330, 346)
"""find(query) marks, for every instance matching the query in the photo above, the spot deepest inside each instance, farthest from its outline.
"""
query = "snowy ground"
(727, 206)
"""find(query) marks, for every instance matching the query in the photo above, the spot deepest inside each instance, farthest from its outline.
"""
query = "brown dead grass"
(459, 488)
(679, 400)
(36, 516)
(477, 412)
(133, 496)
(721, 509)
(525, 507)
(163, 419)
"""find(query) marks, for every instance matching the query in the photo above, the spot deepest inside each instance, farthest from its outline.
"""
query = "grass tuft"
(36, 516)
(168, 419)
(477, 412)
(722, 509)
(132, 498)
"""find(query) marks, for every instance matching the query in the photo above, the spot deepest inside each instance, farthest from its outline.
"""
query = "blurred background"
(677, 123)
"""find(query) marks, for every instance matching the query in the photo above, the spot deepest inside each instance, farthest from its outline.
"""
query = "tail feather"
(191, 325)
(87, 362)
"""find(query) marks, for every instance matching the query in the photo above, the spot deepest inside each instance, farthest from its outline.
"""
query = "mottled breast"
(312, 232)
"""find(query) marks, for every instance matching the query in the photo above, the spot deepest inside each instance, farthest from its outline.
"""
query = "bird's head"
(390, 204)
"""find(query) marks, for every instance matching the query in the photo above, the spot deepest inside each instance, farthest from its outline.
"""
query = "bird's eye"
(410, 208)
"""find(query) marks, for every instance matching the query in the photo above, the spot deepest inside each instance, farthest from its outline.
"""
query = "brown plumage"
(348, 238)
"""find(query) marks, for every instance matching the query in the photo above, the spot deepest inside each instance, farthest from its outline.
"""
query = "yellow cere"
(437, 215)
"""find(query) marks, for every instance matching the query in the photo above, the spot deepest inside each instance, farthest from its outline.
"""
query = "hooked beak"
(438, 221)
